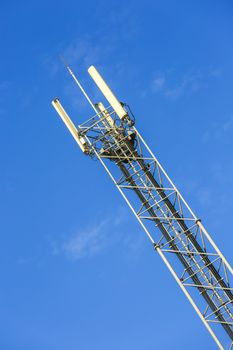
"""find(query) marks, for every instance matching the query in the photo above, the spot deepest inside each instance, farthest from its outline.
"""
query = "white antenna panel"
(106, 91)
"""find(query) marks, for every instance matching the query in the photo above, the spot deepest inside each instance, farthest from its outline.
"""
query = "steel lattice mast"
(178, 236)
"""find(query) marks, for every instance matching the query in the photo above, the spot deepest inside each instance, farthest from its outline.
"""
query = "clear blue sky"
(76, 271)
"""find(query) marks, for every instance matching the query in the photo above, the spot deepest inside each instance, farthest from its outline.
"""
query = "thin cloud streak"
(91, 240)
(95, 239)
(220, 131)
(172, 87)
(86, 243)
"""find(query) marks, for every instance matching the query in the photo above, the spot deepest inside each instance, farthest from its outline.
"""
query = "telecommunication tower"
(176, 233)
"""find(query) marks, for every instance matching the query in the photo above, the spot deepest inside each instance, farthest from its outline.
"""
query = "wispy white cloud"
(87, 242)
(219, 130)
(93, 239)
(25, 260)
(98, 47)
(228, 124)
(170, 85)
(213, 191)
(215, 72)
(190, 82)
(79, 54)
(87, 51)
(158, 83)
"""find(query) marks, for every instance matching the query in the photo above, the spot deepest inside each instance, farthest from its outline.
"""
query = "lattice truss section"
(176, 233)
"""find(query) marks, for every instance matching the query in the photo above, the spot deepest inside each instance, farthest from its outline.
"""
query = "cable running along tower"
(177, 235)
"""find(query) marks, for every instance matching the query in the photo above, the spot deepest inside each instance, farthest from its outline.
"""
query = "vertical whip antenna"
(79, 84)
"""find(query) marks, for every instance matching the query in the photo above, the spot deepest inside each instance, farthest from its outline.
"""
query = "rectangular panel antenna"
(106, 91)
(70, 125)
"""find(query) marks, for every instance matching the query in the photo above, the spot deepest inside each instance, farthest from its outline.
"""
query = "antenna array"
(177, 235)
